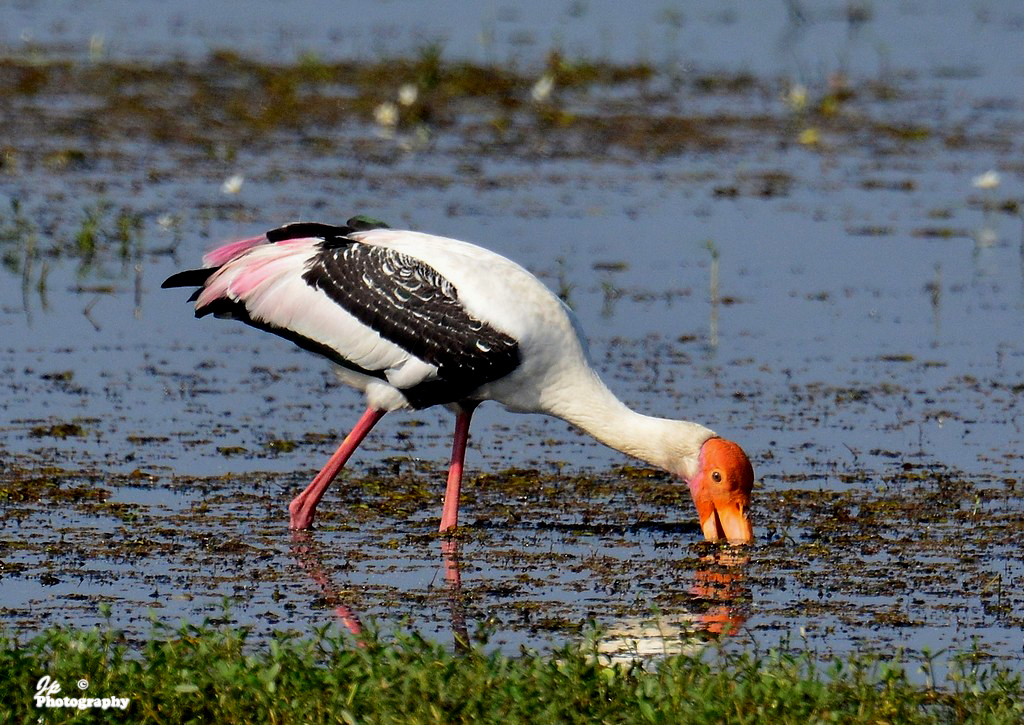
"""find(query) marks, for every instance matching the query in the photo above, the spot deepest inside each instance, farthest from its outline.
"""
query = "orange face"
(721, 491)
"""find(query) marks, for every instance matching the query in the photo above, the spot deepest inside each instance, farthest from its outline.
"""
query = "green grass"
(215, 675)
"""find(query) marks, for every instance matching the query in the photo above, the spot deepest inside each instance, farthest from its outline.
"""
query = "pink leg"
(303, 507)
(450, 514)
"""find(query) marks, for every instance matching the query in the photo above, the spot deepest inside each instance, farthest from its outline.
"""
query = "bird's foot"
(300, 515)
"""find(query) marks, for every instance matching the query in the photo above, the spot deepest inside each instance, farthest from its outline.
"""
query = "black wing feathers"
(410, 304)
(327, 232)
(300, 230)
(189, 278)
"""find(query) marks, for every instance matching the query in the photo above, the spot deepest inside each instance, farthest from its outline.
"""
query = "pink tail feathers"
(251, 269)
(222, 255)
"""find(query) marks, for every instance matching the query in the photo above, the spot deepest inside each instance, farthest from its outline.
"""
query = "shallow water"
(864, 346)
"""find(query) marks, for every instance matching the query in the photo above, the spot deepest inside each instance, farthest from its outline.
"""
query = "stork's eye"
(716, 476)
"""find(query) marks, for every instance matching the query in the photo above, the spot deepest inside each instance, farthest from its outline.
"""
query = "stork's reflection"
(451, 555)
(718, 598)
(308, 556)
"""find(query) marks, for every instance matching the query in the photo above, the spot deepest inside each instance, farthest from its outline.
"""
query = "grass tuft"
(203, 673)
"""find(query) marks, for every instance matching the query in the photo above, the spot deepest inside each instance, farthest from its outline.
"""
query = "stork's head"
(721, 490)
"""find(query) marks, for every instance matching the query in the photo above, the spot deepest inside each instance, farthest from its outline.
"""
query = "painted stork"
(415, 320)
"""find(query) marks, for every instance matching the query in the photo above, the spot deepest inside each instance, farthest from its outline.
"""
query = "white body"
(553, 377)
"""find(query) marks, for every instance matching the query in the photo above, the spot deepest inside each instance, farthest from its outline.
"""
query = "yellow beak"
(728, 521)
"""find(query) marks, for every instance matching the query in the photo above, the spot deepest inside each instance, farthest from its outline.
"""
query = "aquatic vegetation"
(104, 233)
(230, 101)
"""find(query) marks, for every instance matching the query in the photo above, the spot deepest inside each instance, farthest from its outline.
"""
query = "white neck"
(583, 400)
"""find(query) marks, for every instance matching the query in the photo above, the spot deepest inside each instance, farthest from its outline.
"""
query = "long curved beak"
(728, 521)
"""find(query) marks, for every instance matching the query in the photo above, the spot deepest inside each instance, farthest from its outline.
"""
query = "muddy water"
(864, 342)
